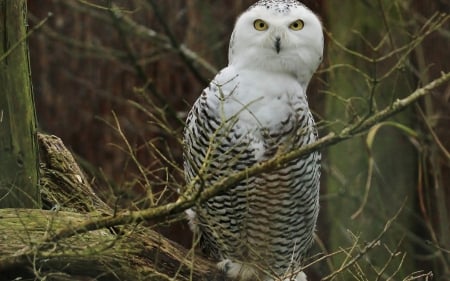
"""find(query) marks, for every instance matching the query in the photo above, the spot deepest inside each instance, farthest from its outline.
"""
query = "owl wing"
(215, 146)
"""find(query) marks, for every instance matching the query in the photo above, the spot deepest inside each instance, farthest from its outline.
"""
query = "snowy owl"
(253, 110)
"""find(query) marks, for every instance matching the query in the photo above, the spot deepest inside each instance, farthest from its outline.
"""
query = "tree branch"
(189, 199)
(133, 252)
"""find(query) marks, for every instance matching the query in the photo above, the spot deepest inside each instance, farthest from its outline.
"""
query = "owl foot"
(237, 271)
(242, 272)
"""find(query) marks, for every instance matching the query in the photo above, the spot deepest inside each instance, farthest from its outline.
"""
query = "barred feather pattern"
(266, 221)
(253, 110)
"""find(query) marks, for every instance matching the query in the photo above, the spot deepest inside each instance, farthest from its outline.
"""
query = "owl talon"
(237, 271)
(224, 265)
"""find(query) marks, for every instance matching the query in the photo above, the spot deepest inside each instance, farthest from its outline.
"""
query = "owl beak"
(278, 44)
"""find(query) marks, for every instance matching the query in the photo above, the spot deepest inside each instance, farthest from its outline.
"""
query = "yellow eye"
(260, 25)
(297, 25)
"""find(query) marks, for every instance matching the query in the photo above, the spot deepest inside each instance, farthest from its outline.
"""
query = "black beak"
(278, 44)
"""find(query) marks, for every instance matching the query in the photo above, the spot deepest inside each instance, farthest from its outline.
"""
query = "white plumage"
(253, 110)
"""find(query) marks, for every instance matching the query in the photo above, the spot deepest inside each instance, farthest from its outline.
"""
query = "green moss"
(18, 143)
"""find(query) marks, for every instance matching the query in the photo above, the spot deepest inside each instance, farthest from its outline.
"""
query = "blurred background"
(116, 79)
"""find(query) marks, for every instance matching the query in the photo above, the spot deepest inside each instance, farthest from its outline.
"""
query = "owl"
(254, 110)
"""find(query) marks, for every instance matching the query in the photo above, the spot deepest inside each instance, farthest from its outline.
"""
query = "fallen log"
(29, 248)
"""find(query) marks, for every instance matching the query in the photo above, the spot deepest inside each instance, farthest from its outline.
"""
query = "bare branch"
(169, 210)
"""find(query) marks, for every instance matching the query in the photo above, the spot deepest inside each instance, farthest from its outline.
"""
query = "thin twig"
(117, 22)
(185, 201)
(375, 242)
(177, 46)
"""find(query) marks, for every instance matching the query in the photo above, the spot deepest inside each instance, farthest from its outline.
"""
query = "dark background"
(89, 70)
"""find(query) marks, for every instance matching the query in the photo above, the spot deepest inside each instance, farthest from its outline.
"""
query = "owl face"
(282, 36)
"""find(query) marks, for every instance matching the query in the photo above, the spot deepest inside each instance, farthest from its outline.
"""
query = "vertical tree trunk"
(18, 144)
(368, 184)
(435, 172)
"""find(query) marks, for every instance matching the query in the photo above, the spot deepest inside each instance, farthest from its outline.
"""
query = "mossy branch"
(190, 198)
(133, 252)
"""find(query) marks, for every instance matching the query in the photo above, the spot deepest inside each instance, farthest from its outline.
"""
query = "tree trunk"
(368, 182)
(18, 144)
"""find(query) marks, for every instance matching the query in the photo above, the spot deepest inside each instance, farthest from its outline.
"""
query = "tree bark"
(134, 252)
(18, 144)
(131, 252)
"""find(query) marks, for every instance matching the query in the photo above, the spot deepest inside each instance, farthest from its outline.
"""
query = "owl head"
(279, 36)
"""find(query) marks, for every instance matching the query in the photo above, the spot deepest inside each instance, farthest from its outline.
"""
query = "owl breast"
(259, 99)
